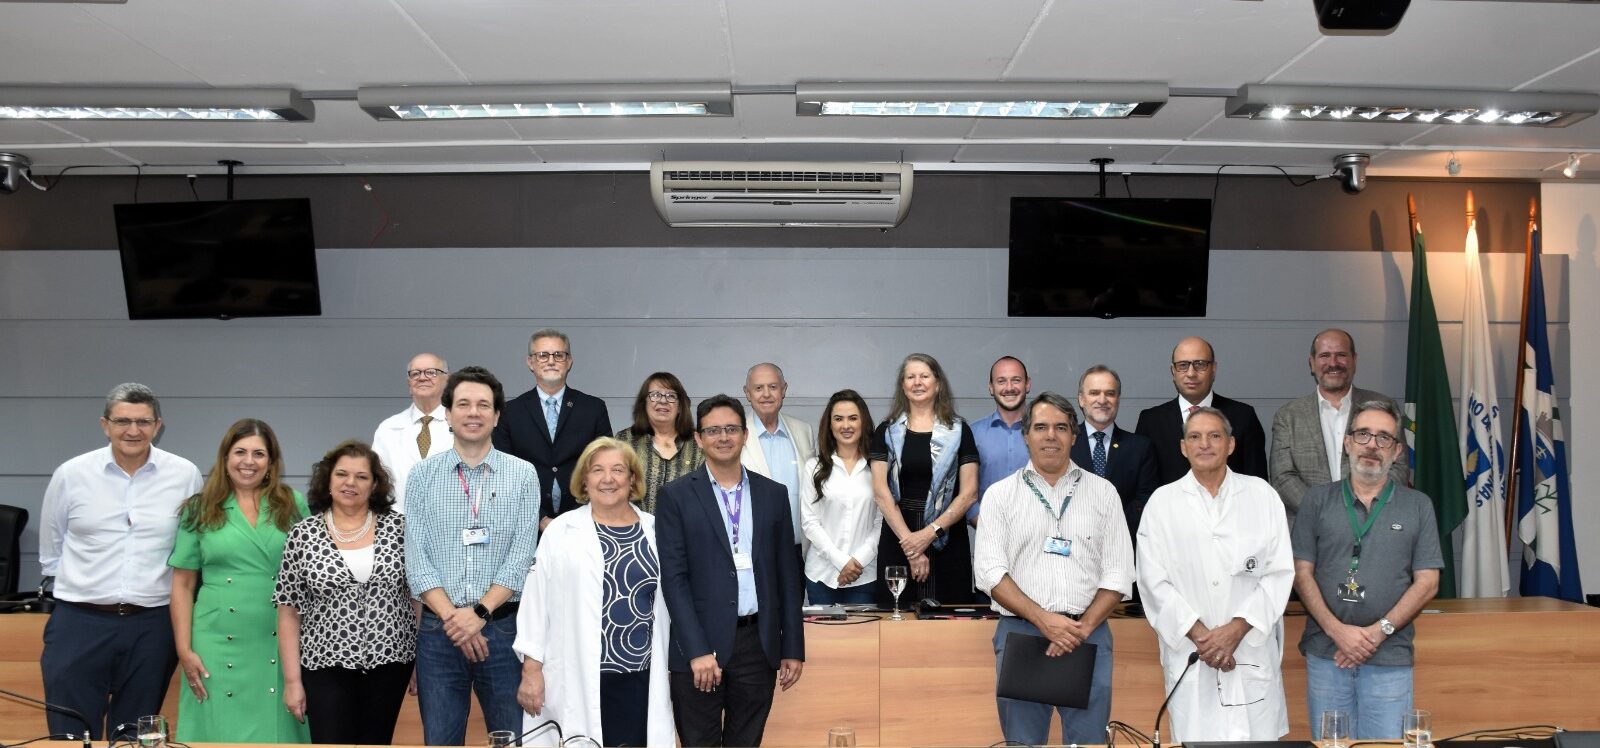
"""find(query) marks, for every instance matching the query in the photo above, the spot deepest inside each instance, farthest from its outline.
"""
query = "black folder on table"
(1028, 674)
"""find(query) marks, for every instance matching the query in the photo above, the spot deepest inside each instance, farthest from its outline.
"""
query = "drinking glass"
(502, 738)
(1416, 729)
(895, 577)
(1335, 729)
(841, 737)
(151, 731)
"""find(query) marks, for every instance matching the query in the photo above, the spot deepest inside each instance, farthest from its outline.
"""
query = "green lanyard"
(1065, 500)
(1359, 528)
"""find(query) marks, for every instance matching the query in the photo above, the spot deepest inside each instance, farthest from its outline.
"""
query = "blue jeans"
(1376, 696)
(818, 593)
(1029, 722)
(446, 681)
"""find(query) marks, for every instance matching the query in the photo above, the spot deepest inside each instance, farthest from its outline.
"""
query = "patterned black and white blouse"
(628, 589)
(345, 623)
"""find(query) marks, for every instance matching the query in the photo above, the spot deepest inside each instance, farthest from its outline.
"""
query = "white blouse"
(360, 562)
(843, 525)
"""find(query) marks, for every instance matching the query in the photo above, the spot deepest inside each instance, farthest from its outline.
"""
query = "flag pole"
(1411, 208)
(1472, 213)
(1512, 477)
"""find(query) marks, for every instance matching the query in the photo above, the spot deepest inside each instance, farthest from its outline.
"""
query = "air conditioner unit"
(788, 193)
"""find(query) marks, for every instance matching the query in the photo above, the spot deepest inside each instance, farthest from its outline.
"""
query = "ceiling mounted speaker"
(1375, 17)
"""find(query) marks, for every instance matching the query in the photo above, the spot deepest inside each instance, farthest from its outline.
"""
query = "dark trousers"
(735, 714)
(625, 708)
(113, 669)
(357, 707)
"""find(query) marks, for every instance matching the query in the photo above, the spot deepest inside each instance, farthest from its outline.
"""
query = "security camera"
(1351, 171)
(14, 172)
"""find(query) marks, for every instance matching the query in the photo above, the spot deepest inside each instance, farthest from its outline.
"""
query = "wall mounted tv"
(218, 259)
(1108, 257)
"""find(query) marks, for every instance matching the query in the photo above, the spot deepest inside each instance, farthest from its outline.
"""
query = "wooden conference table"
(1480, 664)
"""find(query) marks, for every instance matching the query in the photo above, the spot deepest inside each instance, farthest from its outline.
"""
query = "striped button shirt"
(439, 509)
(1015, 525)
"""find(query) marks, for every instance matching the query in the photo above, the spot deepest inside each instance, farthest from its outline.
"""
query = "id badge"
(1352, 592)
(1058, 546)
(475, 536)
(742, 561)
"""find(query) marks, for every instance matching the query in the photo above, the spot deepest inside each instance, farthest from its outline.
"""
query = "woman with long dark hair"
(837, 512)
(924, 477)
(662, 434)
(230, 542)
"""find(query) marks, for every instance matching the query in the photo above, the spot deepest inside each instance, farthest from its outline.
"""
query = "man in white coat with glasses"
(1215, 567)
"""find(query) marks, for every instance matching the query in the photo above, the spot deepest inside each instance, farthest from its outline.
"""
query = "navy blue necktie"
(1099, 453)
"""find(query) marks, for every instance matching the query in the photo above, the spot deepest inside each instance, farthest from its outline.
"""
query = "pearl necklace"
(351, 536)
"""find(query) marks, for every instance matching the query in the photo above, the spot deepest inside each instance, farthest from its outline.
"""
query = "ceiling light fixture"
(432, 103)
(1453, 166)
(1331, 103)
(1571, 169)
(154, 103)
(998, 100)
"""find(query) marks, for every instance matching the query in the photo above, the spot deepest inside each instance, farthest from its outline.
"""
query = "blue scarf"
(945, 443)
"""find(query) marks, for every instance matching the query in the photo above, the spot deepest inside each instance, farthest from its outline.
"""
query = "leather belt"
(743, 621)
(505, 609)
(121, 609)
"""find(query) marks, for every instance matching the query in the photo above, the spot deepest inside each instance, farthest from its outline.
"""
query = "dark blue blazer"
(1160, 425)
(697, 576)
(1130, 466)
(523, 432)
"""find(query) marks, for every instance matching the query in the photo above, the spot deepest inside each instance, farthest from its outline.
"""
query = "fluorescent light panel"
(147, 103)
(1420, 106)
(997, 100)
(413, 103)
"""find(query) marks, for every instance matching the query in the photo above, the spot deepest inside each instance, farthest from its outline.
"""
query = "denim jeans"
(446, 681)
(1029, 722)
(1376, 697)
(818, 593)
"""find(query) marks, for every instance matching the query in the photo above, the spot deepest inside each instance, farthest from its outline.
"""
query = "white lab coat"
(1212, 560)
(559, 625)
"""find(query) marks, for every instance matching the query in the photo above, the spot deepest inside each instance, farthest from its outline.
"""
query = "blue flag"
(1544, 498)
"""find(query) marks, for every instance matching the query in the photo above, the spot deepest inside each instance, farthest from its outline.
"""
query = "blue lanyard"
(734, 510)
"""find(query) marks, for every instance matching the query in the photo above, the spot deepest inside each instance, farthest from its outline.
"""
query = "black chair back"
(13, 520)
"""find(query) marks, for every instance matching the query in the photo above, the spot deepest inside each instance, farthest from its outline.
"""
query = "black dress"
(950, 576)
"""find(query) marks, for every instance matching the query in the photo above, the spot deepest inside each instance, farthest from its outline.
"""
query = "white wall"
(1571, 227)
(832, 317)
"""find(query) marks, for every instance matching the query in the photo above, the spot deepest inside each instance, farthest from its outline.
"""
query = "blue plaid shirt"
(439, 502)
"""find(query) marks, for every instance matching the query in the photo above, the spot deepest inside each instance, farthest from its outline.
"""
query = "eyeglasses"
(712, 432)
(1200, 365)
(1364, 436)
(424, 373)
(123, 423)
(659, 396)
(1224, 701)
(556, 356)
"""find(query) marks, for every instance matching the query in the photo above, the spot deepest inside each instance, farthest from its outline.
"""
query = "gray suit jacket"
(1299, 459)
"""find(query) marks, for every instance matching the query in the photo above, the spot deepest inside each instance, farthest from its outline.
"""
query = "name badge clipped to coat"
(1058, 546)
(475, 536)
(742, 561)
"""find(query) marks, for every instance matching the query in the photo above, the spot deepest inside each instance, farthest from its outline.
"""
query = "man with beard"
(1308, 433)
(1001, 451)
(1122, 457)
(1367, 559)
(1194, 371)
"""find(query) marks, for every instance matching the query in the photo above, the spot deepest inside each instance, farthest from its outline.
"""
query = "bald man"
(1194, 371)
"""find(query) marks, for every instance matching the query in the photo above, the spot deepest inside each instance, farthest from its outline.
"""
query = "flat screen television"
(218, 259)
(1108, 257)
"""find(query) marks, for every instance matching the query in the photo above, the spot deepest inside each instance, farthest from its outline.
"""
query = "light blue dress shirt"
(544, 407)
(783, 464)
(747, 577)
(1001, 452)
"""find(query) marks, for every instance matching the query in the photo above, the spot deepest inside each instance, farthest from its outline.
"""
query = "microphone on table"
(68, 711)
(1155, 740)
(536, 728)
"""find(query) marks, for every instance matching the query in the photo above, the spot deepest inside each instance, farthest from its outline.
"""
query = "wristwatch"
(938, 532)
(481, 611)
(1386, 627)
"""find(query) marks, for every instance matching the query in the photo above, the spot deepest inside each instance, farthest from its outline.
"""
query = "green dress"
(235, 632)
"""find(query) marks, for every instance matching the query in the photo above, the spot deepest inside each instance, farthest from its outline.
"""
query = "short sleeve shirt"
(1403, 539)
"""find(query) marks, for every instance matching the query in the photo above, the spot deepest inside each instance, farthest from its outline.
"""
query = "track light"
(1453, 166)
(1571, 169)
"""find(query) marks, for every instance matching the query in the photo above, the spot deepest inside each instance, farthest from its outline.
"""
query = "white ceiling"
(331, 47)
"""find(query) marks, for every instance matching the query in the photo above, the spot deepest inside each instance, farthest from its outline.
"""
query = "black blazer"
(522, 432)
(1160, 425)
(1130, 466)
(697, 575)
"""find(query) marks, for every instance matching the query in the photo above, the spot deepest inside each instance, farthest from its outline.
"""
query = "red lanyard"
(472, 497)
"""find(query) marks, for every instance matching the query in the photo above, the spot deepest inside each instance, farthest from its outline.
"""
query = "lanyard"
(733, 510)
(1360, 528)
(471, 495)
(1065, 499)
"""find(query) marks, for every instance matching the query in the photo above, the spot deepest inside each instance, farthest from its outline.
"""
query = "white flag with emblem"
(1485, 569)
